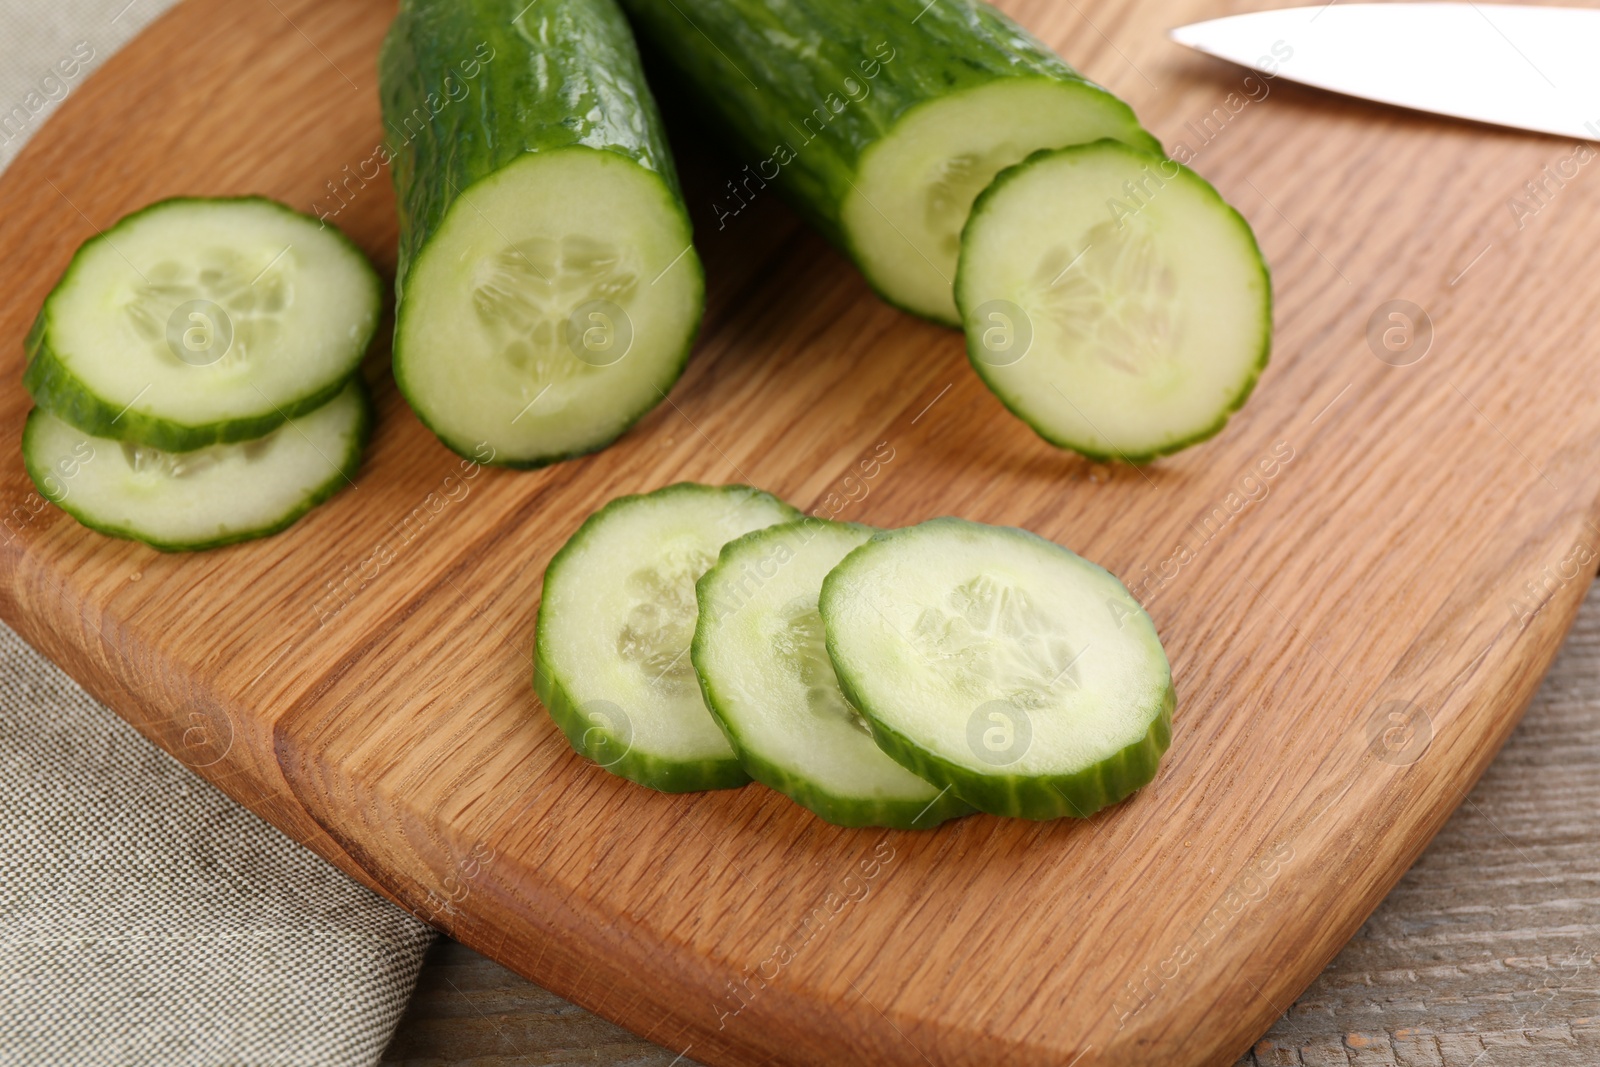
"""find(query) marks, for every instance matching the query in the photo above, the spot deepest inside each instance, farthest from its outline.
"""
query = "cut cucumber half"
(212, 496)
(1113, 301)
(197, 322)
(763, 666)
(548, 290)
(880, 121)
(611, 656)
(1002, 665)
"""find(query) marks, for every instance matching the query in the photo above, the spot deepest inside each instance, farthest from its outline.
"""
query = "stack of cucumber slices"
(195, 373)
(697, 637)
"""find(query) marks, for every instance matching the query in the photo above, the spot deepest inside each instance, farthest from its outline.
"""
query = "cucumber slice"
(212, 496)
(548, 290)
(880, 121)
(764, 670)
(1002, 665)
(611, 655)
(1114, 301)
(196, 322)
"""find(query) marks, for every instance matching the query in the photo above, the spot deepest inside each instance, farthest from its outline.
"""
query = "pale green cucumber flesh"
(196, 322)
(217, 495)
(915, 188)
(763, 666)
(1113, 301)
(616, 618)
(1002, 665)
(554, 305)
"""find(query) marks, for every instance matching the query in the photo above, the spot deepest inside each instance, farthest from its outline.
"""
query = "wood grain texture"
(1484, 955)
(399, 737)
(1488, 950)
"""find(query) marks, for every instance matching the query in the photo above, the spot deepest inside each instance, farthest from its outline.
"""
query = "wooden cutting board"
(1359, 583)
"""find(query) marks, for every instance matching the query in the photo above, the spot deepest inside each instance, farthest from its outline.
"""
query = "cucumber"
(202, 321)
(548, 292)
(881, 120)
(1114, 301)
(1002, 665)
(764, 670)
(611, 654)
(206, 497)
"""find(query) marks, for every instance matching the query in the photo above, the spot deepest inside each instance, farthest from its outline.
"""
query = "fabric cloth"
(145, 918)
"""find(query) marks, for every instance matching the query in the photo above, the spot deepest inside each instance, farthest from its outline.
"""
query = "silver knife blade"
(1533, 68)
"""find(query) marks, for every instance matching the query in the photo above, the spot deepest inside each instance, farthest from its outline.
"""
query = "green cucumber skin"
(56, 389)
(653, 773)
(348, 466)
(1079, 795)
(974, 346)
(954, 45)
(1022, 797)
(849, 812)
(663, 776)
(582, 87)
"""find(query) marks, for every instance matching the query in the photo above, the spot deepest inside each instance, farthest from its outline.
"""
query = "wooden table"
(1485, 954)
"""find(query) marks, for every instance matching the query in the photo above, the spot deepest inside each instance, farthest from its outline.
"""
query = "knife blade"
(1532, 68)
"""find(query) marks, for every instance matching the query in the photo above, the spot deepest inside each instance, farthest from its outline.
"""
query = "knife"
(1532, 68)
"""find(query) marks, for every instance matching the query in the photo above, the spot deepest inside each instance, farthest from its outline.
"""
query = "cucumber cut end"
(759, 651)
(202, 498)
(202, 321)
(555, 305)
(1019, 674)
(915, 187)
(1114, 301)
(611, 654)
